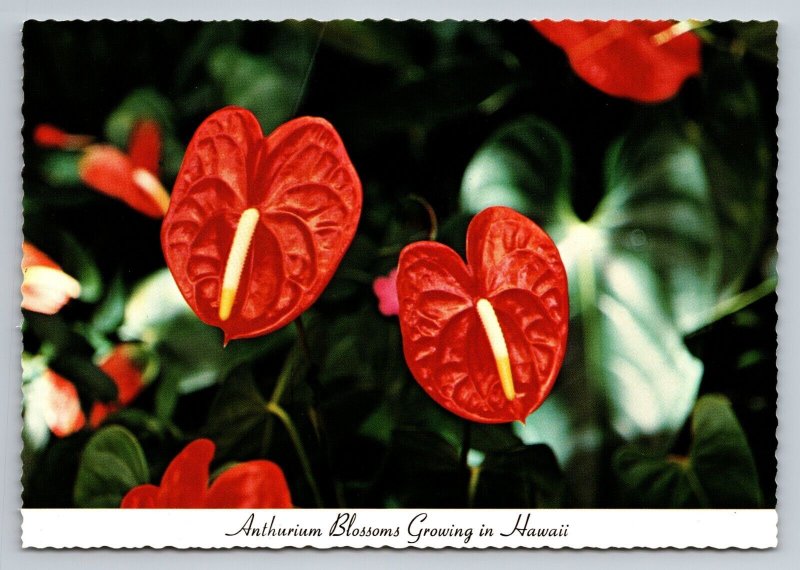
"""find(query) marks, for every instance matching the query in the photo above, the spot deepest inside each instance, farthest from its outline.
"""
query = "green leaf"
(654, 482)
(719, 471)
(238, 417)
(423, 470)
(140, 105)
(525, 165)
(72, 356)
(79, 263)
(527, 476)
(721, 456)
(439, 95)
(87, 377)
(60, 169)
(109, 314)
(379, 43)
(112, 464)
(152, 304)
(758, 39)
(147, 104)
(270, 85)
(739, 164)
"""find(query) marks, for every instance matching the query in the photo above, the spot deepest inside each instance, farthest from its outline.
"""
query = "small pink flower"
(385, 289)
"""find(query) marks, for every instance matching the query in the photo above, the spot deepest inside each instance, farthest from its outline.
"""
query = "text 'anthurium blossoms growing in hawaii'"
(257, 226)
(642, 60)
(132, 177)
(486, 339)
(256, 484)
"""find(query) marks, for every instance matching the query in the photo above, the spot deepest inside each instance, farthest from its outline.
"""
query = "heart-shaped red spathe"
(307, 196)
(515, 266)
(642, 60)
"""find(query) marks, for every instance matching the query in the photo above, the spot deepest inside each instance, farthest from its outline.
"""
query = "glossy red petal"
(111, 172)
(436, 298)
(506, 250)
(144, 146)
(251, 485)
(625, 58)
(515, 266)
(121, 366)
(141, 497)
(32, 255)
(185, 482)
(220, 148)
(308, 198)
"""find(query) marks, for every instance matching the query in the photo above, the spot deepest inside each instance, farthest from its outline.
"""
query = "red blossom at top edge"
(256, 484)
(642, 60)
(486, 339)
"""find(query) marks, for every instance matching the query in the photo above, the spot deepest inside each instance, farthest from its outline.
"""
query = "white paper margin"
(398, 528)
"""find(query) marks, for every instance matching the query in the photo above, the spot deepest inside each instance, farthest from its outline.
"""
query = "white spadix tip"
(147, 181)
(236, 258)
(498, 344)
(674, 31)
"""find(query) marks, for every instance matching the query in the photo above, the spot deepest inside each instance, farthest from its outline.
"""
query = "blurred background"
(664, 215)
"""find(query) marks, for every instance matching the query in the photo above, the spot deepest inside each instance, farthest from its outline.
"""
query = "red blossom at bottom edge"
(258, 484)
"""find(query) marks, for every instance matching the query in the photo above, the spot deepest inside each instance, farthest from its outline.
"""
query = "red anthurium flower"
(486, 339)
(132, 177)
(251, 485)
(257, 226)
(642, 60)
(385, 288)
(49, 136)
(45, 286)
(121, 367)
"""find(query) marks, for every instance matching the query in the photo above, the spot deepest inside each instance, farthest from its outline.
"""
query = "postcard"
(407, 284)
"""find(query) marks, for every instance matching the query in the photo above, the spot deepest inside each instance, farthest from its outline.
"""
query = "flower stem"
(434, 222)
(317, 419)
(276, 410)
(302, 338)
(466, 438)
(309, 68)
(738, 302)
(472, 486)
